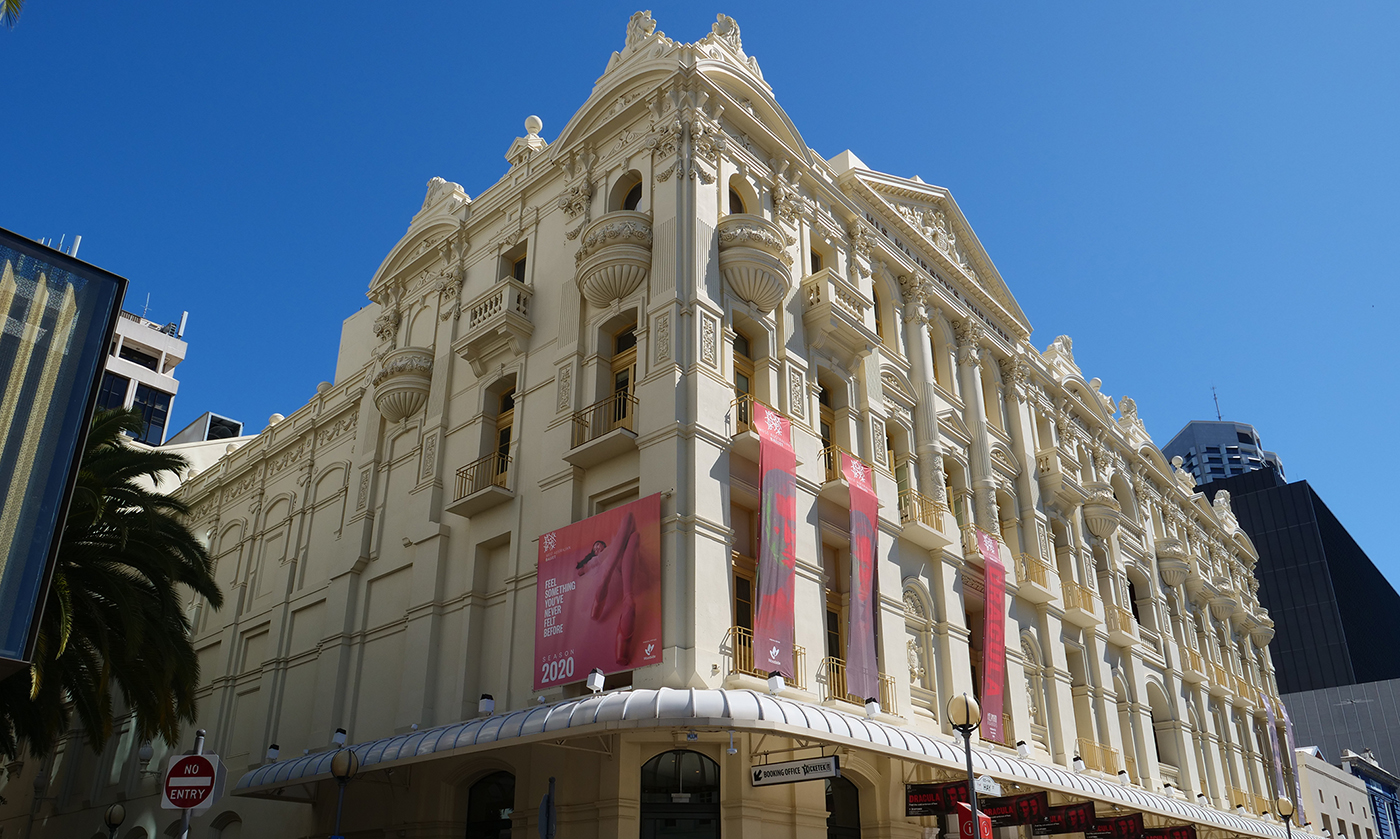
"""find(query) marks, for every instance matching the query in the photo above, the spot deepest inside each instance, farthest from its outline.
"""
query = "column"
(970, 354)
(927, 447)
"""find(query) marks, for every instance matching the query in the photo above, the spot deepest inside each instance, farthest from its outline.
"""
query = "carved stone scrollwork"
(1173, 563)
(754, 260)
(614, 257)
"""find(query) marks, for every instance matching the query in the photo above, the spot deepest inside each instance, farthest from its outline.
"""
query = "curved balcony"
(1101, 510)
(1224, 602)
(1172, 561)
(401, 385)
(1262, 632)
(614, 256)
(754, 260)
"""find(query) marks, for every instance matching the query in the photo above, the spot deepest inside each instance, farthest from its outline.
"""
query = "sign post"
(192, 783)
(965, 823)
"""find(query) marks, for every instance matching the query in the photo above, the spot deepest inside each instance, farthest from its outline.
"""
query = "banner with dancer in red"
(993, 640)
(777, 542)
(862, 670)
(598, 595)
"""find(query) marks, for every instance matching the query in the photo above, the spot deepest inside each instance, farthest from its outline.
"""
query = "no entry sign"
(191, 783)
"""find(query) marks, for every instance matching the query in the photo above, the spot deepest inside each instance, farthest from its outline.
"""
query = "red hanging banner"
(862, 670)
(1123, 827)
(777, 543)
(993, 639)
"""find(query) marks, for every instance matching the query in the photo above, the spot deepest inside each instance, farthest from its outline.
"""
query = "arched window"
(490, 801)
(633, 198)
(680, 795)
(736, 201)
(879, 315)
(226, 826)
(842, 809)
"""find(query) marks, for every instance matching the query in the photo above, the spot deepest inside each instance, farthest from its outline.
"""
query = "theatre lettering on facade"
(680, 401)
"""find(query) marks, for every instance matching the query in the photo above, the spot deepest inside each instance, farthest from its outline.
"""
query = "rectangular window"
(1214, 449)
(1244, 438)
(135, 356)
(517, 269)
(112, 394)
(1212, 460)
(1217, 470)
(154, 407)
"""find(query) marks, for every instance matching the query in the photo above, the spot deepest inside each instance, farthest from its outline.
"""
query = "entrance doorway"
(680, 796)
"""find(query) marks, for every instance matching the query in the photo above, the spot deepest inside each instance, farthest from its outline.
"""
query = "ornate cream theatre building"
(593, 329)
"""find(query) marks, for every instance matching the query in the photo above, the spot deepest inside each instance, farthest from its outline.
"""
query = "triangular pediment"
(928, 216)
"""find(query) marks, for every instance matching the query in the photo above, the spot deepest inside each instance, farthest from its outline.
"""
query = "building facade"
(1334, 607)
(1338, 802)
(1382, 786)
(1214, 450)
(600, 327)
(140, 372)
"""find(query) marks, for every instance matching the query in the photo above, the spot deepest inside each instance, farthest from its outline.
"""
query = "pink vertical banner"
(862, 670)
(777, 542)
(1301, 816)
(993, 639)
(1279, 788)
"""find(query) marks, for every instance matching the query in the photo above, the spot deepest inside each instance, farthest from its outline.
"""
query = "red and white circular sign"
(189, 782)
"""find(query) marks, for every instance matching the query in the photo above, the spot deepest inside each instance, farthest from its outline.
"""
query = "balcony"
(1240, 798)
(1219, 679)
(1079, 603)
(402, 383)
(1244, 691)
(1101, 509)
(744, 437)
(754, 260)
(831, 674)
(835, 487)
(838, 317)
(1192, 670)
(604, 430)
(1122, 626)
(1033, 582)
(923, 520)
(1262, 805)
(498, 324)
(1172, 561)
(738, 645)
(482, 485)
(614, 256)
(1058, 474)
(1097, 756)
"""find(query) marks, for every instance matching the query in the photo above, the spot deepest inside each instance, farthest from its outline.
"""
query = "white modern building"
(594, 329)
(1335, 801)
(140, 371)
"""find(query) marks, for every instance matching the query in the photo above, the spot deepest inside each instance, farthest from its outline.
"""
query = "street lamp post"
(966, 716)
(343, 767)
(1285, 809)
(115, 815)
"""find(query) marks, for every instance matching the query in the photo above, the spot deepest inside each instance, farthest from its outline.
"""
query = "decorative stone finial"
(533, 126)
(532, 142)
(274, 419)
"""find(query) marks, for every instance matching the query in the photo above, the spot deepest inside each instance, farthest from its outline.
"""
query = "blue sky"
(1198, 193)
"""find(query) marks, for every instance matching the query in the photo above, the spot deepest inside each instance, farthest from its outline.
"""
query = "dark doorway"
(842, 809)
(680, 796)
(490, 801)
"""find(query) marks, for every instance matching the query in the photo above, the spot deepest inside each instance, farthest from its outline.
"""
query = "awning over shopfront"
(741, 710)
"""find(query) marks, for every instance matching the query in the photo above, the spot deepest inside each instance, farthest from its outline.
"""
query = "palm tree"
(9, 12)
(114, 615)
